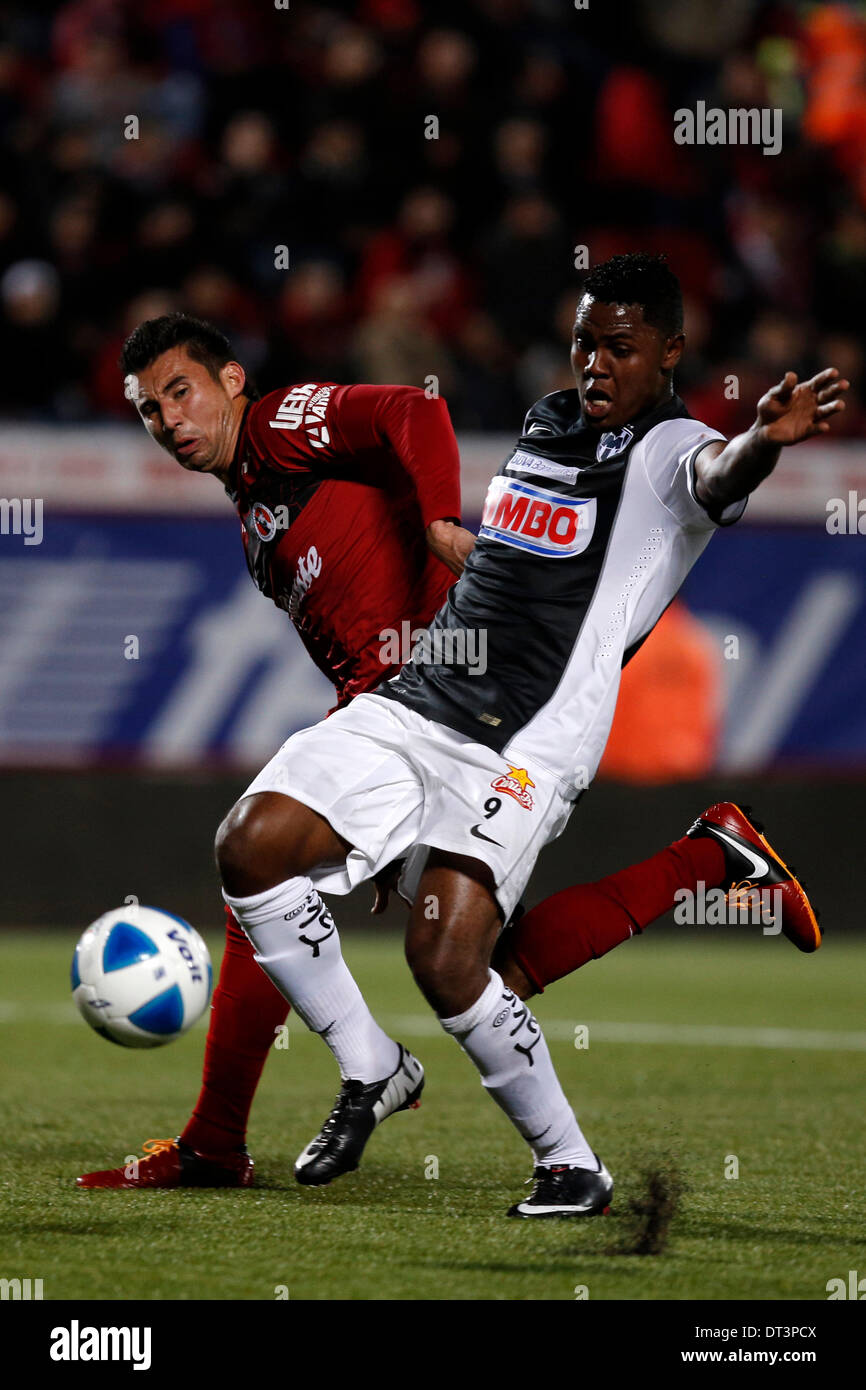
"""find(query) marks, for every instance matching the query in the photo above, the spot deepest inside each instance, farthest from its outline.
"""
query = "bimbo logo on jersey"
(530, 518)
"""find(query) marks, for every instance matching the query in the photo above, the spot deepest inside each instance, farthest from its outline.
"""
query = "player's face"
(188, 412)
(622, 365)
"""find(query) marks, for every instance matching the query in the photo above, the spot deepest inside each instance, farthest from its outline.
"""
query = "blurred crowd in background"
(305, 127)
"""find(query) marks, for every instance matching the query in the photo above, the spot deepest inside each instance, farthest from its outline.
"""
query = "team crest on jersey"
(535, 519)
(516, 783)
(263, 521)
(612, 443)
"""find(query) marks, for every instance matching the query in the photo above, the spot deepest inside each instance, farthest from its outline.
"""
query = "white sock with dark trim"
(298, 947)
(507, 1046)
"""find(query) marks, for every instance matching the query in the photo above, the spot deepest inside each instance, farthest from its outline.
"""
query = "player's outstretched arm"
(790, 412)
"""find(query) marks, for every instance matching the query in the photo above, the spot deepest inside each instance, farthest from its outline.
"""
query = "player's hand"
(383, 893)
(796, 410)
(452, 543)
(384, 881)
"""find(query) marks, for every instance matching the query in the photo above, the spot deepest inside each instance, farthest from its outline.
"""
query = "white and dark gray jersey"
(585, 540)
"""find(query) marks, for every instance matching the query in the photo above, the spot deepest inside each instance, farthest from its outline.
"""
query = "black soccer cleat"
(563, 1191)
(359, 1108)
(751, 862)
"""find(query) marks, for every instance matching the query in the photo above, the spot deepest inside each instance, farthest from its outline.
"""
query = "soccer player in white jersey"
(590, 528)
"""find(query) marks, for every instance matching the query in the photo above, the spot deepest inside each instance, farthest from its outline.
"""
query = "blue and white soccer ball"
(141, 977)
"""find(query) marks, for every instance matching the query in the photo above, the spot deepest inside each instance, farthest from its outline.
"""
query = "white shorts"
(396, 785)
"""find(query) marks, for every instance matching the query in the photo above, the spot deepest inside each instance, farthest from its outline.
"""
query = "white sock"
(298, 947)
(507, 1046)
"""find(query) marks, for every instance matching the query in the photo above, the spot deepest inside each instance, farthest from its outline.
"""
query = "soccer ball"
(141, 977)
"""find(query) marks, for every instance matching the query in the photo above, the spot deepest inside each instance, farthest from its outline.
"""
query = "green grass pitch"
(700, 1051)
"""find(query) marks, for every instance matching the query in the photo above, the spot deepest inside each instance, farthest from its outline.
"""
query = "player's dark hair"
(203, 342)
(639, 278)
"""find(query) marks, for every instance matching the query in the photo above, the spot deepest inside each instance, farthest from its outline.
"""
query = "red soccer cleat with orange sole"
(172, 1163)
(751, 862)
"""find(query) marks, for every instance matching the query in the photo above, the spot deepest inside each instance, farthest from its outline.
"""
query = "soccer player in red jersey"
(349, 504)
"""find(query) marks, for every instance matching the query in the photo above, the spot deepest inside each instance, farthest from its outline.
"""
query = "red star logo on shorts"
(516, 784)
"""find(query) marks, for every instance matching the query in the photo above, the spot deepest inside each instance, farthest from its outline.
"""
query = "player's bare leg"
(449, 957)
(265, 849)
(268, 838)
(248, 1010)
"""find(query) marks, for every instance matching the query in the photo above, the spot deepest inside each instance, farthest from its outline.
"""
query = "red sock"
(246, 1012)
(584, 922)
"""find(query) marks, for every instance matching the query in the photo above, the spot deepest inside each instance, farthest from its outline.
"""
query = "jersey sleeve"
(416, 427)
(669, 454)
(317, 423)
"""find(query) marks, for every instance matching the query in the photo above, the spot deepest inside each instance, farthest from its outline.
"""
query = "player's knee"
(231, 845)
(421, 957)
(247, 849)
(441, 972)
(434, 977)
